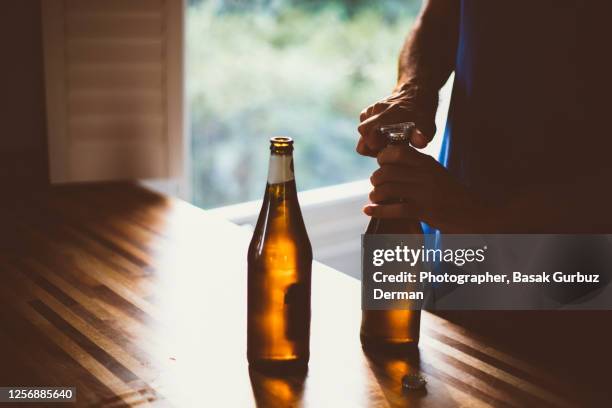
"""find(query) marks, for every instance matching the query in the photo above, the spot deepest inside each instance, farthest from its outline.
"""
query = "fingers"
(379, 114)
(416, 191)
(371, 110)
(403, 156)
(400, 210)
(392, 173)
(368, 129)
(419, 140)
(425, 123)
(389, 191)
(394, 109)
(363, 149)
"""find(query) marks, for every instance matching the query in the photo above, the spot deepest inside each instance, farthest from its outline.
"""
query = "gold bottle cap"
(281, 144)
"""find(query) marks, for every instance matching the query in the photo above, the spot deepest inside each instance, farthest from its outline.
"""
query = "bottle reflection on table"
(281, 389)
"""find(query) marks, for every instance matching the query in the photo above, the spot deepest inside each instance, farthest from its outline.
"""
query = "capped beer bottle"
(279, 271)
(392, 328)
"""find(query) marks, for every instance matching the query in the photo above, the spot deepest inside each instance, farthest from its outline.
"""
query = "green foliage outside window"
(303, 69)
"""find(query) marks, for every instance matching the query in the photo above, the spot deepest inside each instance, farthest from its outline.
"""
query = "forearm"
(425, 62)
(428, 55)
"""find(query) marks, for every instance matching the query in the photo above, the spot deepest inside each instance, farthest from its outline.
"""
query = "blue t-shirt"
(530, 94)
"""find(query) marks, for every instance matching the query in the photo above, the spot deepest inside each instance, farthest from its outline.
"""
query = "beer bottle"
(392, 328)
(279, 271)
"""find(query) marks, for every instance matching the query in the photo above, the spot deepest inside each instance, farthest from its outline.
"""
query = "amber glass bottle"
(279, 271)
(392, 328)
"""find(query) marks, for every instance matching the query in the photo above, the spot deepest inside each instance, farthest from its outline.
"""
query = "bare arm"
(428, 55)
(426, 60)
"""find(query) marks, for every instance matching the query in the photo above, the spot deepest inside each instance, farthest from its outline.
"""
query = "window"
(299, 68)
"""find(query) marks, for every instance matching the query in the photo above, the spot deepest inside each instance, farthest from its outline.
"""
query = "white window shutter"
(114, 88)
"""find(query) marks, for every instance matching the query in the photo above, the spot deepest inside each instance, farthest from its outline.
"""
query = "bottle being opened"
(279, 271)
(397, 329)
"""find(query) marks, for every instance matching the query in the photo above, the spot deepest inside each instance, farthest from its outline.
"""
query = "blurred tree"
(304, 69)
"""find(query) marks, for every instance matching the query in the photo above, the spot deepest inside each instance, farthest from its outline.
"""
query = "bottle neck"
(280, 169)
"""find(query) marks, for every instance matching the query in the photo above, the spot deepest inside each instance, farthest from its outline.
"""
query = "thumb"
(418, 139)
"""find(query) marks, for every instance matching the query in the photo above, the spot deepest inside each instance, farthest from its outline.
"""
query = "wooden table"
(139, 299)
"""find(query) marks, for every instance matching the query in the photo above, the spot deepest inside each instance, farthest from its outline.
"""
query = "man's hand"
(427, 191)
(401, 106)
(425, 62)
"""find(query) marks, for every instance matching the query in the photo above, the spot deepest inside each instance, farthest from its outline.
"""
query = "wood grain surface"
(137, 299)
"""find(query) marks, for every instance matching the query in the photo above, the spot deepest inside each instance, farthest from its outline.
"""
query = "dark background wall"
(22, 97)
